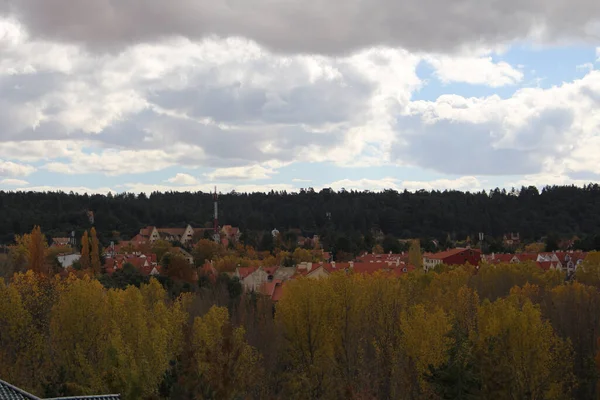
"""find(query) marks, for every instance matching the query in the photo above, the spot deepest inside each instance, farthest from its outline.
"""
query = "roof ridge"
(20, 391)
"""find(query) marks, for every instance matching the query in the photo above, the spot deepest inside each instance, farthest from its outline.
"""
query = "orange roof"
(527, 257)
(245, 271)
(172, 231)
(448, 253)
(277, 292)
(546, 265)
(146, 231)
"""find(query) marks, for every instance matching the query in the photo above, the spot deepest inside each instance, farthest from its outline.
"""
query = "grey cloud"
(321, 26)
(459, 148)
(324, 101)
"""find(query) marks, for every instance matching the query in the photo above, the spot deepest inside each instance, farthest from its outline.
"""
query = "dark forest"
(564, 211)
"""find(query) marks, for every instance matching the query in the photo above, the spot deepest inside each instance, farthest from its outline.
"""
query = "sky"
(257, 95)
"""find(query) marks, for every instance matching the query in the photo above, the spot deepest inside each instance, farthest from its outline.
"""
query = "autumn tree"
(85, 259)
(95, 251)
(520, 354)
(225, 361)
(37, 251)
(160, 248)
(206, 250)
(415, 257)
(377, 249)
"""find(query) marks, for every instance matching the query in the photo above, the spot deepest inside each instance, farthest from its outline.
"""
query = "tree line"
(501, 331)
(561, 210)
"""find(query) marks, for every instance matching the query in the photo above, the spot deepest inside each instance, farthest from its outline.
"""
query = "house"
(61, 242)
(10, 392)
(456, 256)
(232, 234)
(273, 289)
(67, 260)
(511, 239)
(145, 263)
(252, 278)
(500, 258)
(152, 234)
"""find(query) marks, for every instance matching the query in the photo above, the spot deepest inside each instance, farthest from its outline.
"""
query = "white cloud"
(253, 172)
(480, 70)
(465, 183)
(65, 189)
(525, 134)
(301, 180)
(598, 54)
(548, 179)
(374, 185)
(9, 168)
(183, 179)
(13, 182)
(245, 112)
(585, 67)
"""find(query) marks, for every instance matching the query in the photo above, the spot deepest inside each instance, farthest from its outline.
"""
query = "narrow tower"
(216, 235)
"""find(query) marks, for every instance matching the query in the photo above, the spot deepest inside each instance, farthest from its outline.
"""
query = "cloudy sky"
(144, 95)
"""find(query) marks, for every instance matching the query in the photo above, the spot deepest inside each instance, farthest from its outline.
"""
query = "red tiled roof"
(277, 292)
(448, 253)
(546, 265)
(527, 257)
(172, 231)
(147, 231)
(245, 271)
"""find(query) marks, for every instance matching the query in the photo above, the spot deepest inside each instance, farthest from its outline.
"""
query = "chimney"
(351, 264)
(397, 262)
(333, 264)
(493, 256)
(308, 266)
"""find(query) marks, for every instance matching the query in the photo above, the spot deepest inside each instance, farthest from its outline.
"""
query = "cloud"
(65, 189)
(254, 172)
(13, 182)
(374, 185)
(474, 70)
(9, 168)
(463, 183)
(528, 133)
(183, 179)
(432, 25)
(301, 180)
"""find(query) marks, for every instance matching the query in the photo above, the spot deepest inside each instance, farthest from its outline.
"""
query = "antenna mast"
(216, 236)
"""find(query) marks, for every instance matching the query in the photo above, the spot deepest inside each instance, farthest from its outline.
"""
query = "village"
(269, 280)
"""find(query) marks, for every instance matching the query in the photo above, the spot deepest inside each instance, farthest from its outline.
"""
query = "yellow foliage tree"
(85, 259)
(302, 255)
(377, 249)
(160, 248)
(95, 251)
(37, 251)
(22, 351)
(303, 314)
(424, 337)
(206, 250)
(521, 356)
(224, 360)
(415, 257)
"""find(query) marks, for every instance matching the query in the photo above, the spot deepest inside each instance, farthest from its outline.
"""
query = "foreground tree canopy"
(564, 210)
(507, 331)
